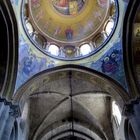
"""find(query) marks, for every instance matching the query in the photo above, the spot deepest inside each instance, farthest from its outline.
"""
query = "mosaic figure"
(68, 7)
(69, 33)
(102, 3)
(57, 31)
(98, 15)
(39, 15)
(110, 64)
(36, 3)
(27, 66)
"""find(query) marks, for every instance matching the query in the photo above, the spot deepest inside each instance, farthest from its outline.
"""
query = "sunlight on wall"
(116, 112)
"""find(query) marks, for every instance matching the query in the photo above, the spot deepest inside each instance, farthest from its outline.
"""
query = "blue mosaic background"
(111, 64)
(29, 63)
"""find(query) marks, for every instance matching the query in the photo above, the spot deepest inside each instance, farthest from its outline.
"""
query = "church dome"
(69, 29)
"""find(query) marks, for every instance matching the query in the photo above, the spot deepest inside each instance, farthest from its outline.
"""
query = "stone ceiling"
(68, 100)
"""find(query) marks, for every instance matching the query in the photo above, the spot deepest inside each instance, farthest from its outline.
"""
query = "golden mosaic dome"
(68, 21)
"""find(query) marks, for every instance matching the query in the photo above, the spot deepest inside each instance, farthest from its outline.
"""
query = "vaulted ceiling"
(69, 101)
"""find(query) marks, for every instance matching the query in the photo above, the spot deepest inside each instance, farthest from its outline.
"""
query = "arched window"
(53, 49)
(29, 27)
(99, 39)
(109, 26)
(85, 49)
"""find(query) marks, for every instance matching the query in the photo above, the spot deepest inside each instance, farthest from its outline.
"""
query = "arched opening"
(70, 98)
(3, 55)
(131, 46)
(85, 49)
(53, 49)
(9, 49)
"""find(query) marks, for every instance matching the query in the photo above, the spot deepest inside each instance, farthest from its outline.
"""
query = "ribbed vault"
(70, 102)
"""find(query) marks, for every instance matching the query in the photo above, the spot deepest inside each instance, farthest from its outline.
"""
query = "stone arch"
(9, 49)
(110, 86)
(130, 44)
